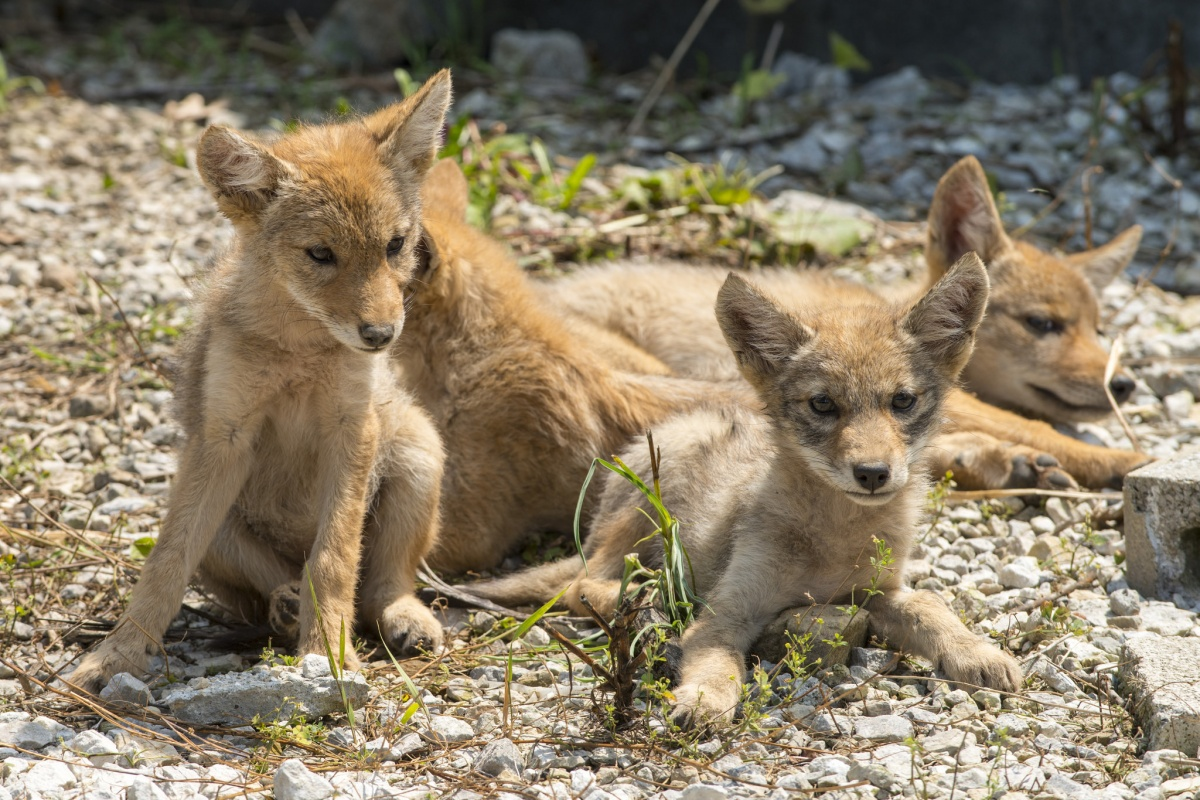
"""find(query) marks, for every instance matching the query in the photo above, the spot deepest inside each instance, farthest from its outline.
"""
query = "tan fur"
(665, 309)
(772, 506)
(522, 405)
(301, 449)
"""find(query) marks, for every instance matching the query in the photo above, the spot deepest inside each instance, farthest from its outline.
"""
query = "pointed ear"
(446, 189)
(242, 174)
(963, 218)
(1102, 265)
(762, 336)
(945, 319)
(409, 133)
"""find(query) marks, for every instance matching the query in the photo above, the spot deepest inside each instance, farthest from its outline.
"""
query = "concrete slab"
(1162, 528)
(1161, 674)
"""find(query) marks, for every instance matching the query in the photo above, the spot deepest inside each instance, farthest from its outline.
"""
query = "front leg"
(980, 461)
(212, 470)
(921, 623)
(401, 529)
(713, 664)
(331, 570)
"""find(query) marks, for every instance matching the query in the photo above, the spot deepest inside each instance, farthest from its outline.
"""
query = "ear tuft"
(963, 218)
(445, 190)
(409, 132)
(762, 336)
(1103, 264)
(242, 175)
(944, 321)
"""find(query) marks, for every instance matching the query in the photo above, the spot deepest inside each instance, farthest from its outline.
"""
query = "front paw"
(408, 628)
(106, 660)
(697, 707)
(1032, 469)
(283, 610)
(983, 665)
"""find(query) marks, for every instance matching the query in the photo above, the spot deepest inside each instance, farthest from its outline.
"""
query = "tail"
(530, 586)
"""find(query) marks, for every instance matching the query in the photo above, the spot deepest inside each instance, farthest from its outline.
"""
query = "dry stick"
(1113, 357)
(1087, 204)
(425, 574)
(71, 533)
(668, 70)
(957, 496)
(129, 327)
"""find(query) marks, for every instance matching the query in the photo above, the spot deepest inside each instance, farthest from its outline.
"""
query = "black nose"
(376, 335)
(872, 476)
(1122, 387)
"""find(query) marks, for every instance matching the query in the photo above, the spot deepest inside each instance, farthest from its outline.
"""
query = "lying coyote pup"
(781, 508)
(1038, 349)
(521, 403)
(301, 449)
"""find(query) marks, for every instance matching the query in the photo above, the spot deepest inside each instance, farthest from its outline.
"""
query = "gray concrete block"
(1162, 528)
(1161, 674)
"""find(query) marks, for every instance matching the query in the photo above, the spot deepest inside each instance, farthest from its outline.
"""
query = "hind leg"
(251, 580)
(401, 529)
(613, 536)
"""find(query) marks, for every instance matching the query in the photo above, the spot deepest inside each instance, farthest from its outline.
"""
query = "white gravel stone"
(450, 729)
(47, 778)
(294, 781)
(1022, 572)
(143, 788)
(883, 729)
(498, 757)
(703, 791)
(17, 729)
(124, 688)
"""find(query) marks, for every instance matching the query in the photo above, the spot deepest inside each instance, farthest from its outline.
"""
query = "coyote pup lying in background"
(1038, 350)
(781, 508)
(301, 449)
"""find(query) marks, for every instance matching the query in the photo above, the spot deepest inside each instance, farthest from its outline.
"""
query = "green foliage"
(671, 585)
(335, 661)
(514, 163)
(405, 81)
(692, 184)
(845, 55)
(11, 84)
(140, 548)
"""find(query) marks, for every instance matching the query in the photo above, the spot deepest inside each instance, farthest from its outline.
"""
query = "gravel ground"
(102, 227)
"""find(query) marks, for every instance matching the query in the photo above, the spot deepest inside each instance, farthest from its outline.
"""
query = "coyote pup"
(781, 508)
(301, 449)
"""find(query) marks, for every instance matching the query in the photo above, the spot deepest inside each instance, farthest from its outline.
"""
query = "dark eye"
(903, 401)
(395, 245)
(822, 404)
(1043, 325)
(321, 255)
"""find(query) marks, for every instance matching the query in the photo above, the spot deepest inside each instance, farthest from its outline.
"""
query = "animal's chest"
(281, 498)
(839, 561)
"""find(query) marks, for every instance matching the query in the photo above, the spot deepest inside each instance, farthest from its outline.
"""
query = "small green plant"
(11, 84)
(845, 55)
(335, 661)
(672, 584)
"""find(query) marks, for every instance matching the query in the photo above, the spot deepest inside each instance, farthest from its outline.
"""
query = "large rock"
(554, 55)
(831, 227)
(1162, 676)
(1162, 528)
(371, 33)
(274, 694)
(822, 624)
(500, 757)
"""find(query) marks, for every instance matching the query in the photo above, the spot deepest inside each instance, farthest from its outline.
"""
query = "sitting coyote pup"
(781, 508)
(301, 449)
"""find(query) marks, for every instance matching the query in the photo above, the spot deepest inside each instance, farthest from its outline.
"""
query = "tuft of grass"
(672, 584)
